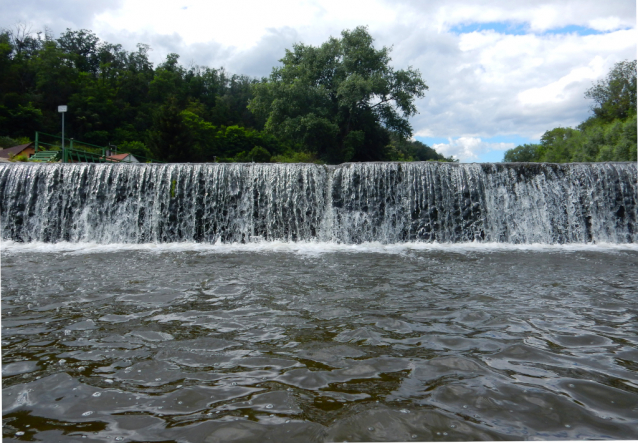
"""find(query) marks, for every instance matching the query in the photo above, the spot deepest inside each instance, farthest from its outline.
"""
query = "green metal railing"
(82, 152)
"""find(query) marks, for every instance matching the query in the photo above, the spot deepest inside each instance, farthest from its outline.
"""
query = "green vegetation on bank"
(608, 135)
(337, 102)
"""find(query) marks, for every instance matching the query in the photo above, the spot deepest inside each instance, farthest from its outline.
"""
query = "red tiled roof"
(119, 157)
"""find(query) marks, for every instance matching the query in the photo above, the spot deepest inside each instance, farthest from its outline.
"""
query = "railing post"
(36, 141)
(67, 153)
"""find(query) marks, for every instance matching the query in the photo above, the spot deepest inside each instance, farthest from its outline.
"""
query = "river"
(319, 342)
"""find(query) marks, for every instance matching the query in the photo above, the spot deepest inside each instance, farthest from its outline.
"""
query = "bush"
(138, 149)
(296, 157)
(18, 158)
(256, 155)
(8, 142)
(523, 153)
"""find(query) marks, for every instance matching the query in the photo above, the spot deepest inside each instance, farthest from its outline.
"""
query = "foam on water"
(305, 248)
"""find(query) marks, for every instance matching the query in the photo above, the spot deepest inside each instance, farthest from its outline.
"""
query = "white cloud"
(468, 149)
(606, 23)
(515, 84)
(558, 91)
(55, 15)
(240, 24)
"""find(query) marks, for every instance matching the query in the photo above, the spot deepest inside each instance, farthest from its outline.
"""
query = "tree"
(168, 80)
(169, 138)
(339, 100)
(24, 120)
(82, 48)
(608, 135)
(523, 153)
(558, 145)
(615, 96)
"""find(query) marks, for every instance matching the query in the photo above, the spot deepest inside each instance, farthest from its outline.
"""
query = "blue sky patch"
(500, 27)
(573, 29)
(430, 141)
(513, 28)
(516, 139)
(491, 156)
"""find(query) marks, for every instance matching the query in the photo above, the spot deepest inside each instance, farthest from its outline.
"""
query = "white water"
(276, 206)
(307, 247)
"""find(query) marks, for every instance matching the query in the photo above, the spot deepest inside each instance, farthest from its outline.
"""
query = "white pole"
(62, 110)
(63, 149)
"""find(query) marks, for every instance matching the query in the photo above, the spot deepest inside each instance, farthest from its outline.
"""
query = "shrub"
(296, 157)
(18, 158)
(257, 155)
(8, 142)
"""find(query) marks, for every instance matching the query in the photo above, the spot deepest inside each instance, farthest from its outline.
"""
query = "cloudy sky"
(500, 72)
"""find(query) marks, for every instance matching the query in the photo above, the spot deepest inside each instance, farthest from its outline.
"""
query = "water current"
(318, 342)
(378, 302)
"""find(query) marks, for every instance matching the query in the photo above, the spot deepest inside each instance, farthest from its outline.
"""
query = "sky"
(500, 72)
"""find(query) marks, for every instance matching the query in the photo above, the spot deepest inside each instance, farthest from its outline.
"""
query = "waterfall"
(349, 203)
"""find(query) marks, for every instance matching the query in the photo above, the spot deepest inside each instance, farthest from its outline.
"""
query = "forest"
(608, 135)
(339, 102)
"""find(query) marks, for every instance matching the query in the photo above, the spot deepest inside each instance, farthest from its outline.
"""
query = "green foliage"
(23, 140)
(523, 153)
(137, 148)
(8, 142)
(256, 155)
(169, 138)
(296, 157)
(608, 135)
(339, 100)
(614, 141)
(558, 144)
(615, 96)
(24, 119)
(228, 143)
(407, 150)
(18, 158)
(114, 96)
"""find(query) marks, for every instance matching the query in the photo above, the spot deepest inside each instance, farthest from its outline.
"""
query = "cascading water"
(350, 203)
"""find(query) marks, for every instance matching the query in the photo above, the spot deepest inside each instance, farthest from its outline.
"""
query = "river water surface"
(318, 342)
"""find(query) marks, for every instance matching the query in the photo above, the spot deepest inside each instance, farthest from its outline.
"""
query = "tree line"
(341, 101)
(608, 135)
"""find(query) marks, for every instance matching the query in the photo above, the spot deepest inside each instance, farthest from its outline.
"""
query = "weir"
(349, 203)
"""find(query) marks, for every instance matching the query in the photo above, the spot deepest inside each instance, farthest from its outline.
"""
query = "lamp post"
(62, 109)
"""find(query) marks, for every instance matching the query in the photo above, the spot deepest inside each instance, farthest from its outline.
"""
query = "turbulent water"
(351, 203)
(318, 342)
(364, 302)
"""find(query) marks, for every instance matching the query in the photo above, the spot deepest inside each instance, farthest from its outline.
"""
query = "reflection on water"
(198, 346)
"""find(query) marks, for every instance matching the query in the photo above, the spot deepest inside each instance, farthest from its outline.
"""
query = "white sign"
(62, 108)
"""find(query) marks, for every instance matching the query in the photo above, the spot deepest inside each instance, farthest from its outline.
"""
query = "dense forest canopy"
(608, 135)
(356, 105)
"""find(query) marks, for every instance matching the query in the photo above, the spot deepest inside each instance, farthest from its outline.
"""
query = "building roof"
(15, 150)
(123, 158)
(118, 157)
